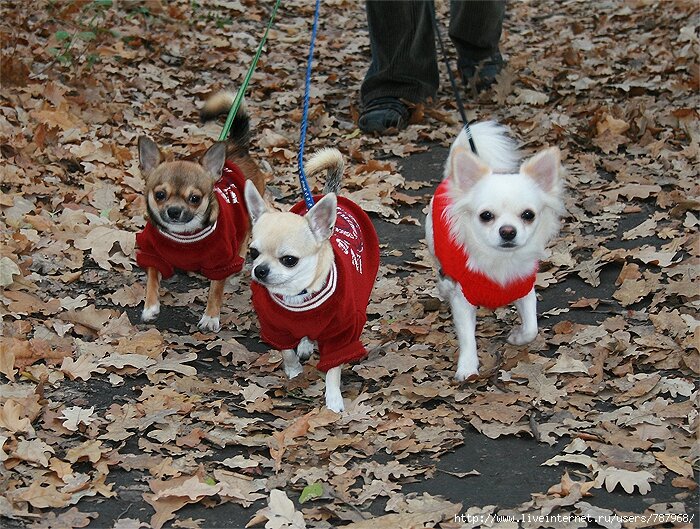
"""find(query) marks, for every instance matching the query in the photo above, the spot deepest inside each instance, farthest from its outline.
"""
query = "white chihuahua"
(488, 226)
(313, 273)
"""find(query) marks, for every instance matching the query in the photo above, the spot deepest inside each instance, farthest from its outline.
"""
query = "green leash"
(244, 86)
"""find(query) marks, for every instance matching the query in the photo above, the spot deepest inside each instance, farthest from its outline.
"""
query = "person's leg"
(475, 30)
(403, 61)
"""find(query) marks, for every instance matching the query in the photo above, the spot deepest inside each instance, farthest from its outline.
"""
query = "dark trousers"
(404, 62)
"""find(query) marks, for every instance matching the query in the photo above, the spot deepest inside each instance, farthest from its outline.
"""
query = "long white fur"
(493, 146)
(503, 188)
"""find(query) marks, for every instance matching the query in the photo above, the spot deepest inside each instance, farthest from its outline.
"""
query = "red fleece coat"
(453, 257)
(334, 316)
(213, 251)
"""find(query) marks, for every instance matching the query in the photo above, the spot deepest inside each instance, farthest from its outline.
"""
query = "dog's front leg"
(527, 310)
(210, 319)
(464, 317)
(151, 305)
(292, 366)
(334, 399)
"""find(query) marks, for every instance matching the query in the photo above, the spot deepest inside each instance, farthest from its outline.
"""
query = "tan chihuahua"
(197, 218)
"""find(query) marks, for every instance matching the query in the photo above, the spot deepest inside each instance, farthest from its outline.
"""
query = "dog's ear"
(214, 159)
(466, 169)
(149, 155)
(254, 202)
(322, 216)
(544, 168)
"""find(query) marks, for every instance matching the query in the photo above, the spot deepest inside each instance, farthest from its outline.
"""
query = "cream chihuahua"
(313, 273)
(488, 225)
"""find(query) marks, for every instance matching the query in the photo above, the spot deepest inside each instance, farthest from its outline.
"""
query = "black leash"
(453, 82)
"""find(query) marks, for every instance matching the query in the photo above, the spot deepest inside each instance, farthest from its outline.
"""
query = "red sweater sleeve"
(147, 255)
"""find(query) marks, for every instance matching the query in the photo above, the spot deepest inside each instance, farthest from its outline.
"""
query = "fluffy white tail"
(493, 145)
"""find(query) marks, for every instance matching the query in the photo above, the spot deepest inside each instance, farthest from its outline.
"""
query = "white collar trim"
(188, 238)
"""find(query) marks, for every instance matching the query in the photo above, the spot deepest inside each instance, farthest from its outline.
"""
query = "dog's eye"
(289, 261)
(195, 199)
(486, 216)
(159, 195)
(528, 215)
(254, 254)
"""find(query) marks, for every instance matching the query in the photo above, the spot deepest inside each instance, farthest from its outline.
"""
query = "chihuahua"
(196, 216)
(488, 225)
(313, 272)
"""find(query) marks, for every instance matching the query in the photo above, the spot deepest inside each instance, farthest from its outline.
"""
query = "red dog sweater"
(213, 251)
(334, 316)
(454, 260)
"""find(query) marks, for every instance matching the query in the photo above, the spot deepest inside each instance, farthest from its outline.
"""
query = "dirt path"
(109, 423)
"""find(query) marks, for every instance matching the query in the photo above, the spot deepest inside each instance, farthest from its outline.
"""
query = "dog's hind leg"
(527, 310)
(334, 399)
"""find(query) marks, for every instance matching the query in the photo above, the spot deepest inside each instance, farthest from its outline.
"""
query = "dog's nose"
(261, 271)
(174, 212)
(507, 232)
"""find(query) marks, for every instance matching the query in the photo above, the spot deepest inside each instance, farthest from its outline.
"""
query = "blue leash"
(308, 197)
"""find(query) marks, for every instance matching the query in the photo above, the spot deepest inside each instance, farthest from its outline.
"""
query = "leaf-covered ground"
(107, 422)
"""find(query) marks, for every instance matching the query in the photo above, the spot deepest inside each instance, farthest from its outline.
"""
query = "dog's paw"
(305, 348)
(520, 336)
(290, 361)
(150, 313)
(293, 370)
(209, 323)
(334, 401)
(466, 374)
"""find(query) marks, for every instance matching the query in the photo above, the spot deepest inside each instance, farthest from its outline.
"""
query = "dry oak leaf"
(101, 242)
(60, 118)
(628, 479)
(75, 415)
(239, 489)
(8, 269)
(414, 513)
(92, 450)
(33, 451)
(42, 497)
(82, 368)
(192, 488)
(279, 513)
(675, 463)
(175, 362)
(13, 417)
(10, 348)
(71, 519)
(3, 455)
(120, 361)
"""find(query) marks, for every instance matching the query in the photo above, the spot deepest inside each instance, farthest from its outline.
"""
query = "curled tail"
(332, 161)
(494, 146)
(219, 104)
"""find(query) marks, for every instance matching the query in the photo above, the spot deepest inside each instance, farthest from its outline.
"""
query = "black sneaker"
(481, 74)
(384, 113)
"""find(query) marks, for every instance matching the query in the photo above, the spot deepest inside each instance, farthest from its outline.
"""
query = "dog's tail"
(332, 161)
(494, 146)
(219, 104)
